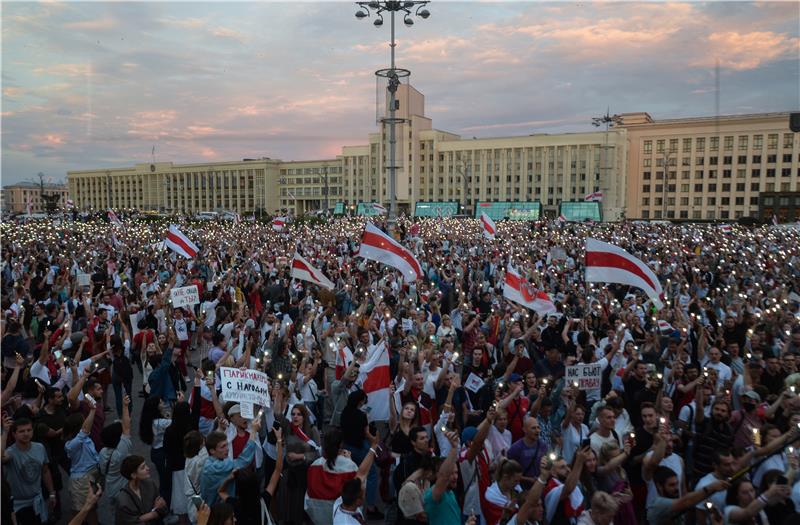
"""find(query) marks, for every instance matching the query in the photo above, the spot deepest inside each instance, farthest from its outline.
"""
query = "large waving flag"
(379, 208)
(302, 269)
(518, 290)
(606, 263)
(374, 378)
(594, 197)
(493, 504)
(180, 243)
(489, 227)
(279, 223)
(113, 219)
(378, 246)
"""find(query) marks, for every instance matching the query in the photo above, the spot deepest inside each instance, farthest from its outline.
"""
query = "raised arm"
(366, 463)
(272, 484)
(446, 468)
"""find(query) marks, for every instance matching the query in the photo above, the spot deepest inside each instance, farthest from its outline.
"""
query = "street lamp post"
(325, 189)
(393, 75)
(463, 170)
(605, 120)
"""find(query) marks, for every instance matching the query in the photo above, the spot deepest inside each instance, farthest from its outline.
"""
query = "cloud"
(97, 24)
(741, 51)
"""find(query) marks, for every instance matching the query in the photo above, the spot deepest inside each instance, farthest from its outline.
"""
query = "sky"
(100, 84)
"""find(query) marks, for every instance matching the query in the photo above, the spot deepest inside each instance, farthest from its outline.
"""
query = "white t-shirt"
(341, 516)
(596, 441)
(723, 371)
(308, 391)
(674, 463)
(181, 330)
(687, 413)
(717, 498)
(572, 439)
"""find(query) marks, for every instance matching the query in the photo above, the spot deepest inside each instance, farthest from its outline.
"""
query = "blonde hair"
(605, 452)
(604, 502)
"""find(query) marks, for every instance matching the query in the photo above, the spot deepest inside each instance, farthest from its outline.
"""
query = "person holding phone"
(138, 502)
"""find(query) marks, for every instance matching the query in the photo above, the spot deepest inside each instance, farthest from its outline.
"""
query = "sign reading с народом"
(185, 296)
(244, 386)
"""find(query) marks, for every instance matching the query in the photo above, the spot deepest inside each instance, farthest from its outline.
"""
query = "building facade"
(694, 168)
(15, 197)
(708, 168)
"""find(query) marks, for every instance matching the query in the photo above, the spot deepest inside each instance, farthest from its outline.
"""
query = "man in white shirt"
(724, 468)
(713, 361)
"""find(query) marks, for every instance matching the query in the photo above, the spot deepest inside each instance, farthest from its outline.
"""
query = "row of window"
(713, 143)
(712, 187)
(696, 214)
(698, 201)
(712, 174)
(713, 161)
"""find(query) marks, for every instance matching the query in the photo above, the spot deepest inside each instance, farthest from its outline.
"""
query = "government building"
(695, 168)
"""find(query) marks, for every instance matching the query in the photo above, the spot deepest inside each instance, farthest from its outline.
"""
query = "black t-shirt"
(248, 516)
(353, 422)
(400, 443)
(644, 440)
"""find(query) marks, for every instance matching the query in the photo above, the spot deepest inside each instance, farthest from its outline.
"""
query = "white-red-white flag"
(379, 208)
(279, 223)
(597, 196)
(726, 228)
(489, 227)
(664, 326)
(374, 378)
(180, 243)
(70, 204)
(113, 219)
(606, 263)
(378, 246)
(516, 289)
(561, 219)
(302, 269)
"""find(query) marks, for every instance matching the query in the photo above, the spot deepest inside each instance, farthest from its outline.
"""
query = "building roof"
(644, 119)
(35, 186)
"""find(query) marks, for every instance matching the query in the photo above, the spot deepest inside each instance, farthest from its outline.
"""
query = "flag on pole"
(726, 228)
(561, 219)
(597, 196)
(378, 246)
(70, 204)
(279, 223)
(489, 227)
(516, 289)
(774, 219)
(112, 217)
(374, 378)
(292, 196)
(606, 263)
(29, 206)
(379, 208)
(180, 243)
(302, 269)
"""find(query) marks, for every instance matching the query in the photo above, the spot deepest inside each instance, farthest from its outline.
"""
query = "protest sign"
(84, 279)
(185, 296)
(244, 386)
(473, 383)
(588, 376)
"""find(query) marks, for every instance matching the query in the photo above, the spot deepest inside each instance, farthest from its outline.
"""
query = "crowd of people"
(113, 409)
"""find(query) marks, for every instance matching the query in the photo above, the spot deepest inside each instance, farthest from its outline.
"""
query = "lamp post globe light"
(409, 10)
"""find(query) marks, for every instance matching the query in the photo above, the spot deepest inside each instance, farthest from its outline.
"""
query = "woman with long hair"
(355, 429)
(611, 477)
(184, 420)
(329, 474)
(153, 423)
(503, 492)
(302, 442)
(742, 505)
(399, 428)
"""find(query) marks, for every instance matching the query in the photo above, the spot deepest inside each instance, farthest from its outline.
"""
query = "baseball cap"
(752, 394)
(468, 434)
(514, 377)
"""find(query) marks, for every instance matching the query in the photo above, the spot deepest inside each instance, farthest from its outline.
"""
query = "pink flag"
(302, 269)
(179, 243)
(518, 290)
(606, 263)
(489, 227)
(378, 246)
(374, 378)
